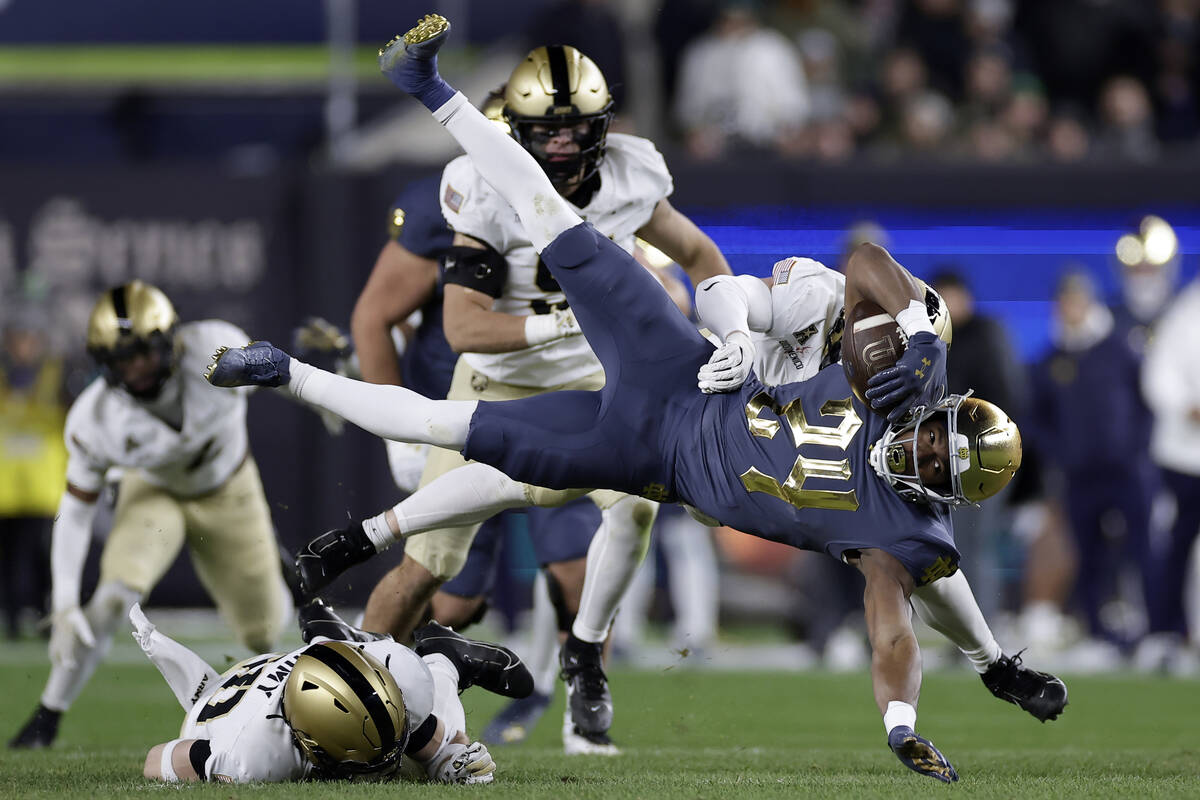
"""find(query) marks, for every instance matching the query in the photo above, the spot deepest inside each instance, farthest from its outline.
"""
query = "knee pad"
(563, 617)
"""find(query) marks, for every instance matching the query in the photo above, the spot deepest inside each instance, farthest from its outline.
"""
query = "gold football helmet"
(559, 87)
(134, 319)
(345, 711)
(985, 452)
(493, 109)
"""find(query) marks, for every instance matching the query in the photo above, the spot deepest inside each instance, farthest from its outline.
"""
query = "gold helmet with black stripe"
(556, 88)
(345, 711)
(131, 336)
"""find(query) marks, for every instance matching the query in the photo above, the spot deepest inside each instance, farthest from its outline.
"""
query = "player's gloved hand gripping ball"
(917, 379)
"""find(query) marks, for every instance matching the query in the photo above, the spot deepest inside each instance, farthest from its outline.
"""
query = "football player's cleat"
(318, 619)
(410, 61)
(1040, 693)
(516, 720)
(488, 666)
(40, 731)
(587, 686)
(331, 554)
(918, 754)
(579, 743)
(255, 364)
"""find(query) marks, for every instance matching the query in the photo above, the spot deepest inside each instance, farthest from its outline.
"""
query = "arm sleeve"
(727, 303)
(72, 533)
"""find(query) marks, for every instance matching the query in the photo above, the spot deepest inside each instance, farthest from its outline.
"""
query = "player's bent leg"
(616, 551)
(390, 412)
(463, 497)
(488, 666)
(400, 601)
(948, 606)
(503, 163)
(456, 611)
(233, 548)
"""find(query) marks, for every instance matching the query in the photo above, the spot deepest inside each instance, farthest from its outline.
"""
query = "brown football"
(871, 342)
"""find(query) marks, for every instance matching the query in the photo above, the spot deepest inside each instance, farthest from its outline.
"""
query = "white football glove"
(460, 763)
(69, 629)
(728, 367)
(407, 462)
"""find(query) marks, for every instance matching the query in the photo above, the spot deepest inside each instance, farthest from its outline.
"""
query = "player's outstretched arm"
(919, 377)
(896, 662)
(731, 306)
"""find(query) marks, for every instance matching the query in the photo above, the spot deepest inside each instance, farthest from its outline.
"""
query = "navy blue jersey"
(428, 363)
(787, 464)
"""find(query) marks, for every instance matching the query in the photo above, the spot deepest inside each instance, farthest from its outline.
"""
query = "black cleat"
(40, 731)
(318, 619)
(587, 686)
(488, 666)
(1040, 693)
(331, 554)
(918, 754)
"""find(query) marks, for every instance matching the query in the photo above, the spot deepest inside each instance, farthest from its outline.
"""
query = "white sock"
(390, 412)
(109, 605)
(899, 713)
(616, 551)
(446, 705)
(379, 532)
(948, 606)
(463, 496)
(510, 170)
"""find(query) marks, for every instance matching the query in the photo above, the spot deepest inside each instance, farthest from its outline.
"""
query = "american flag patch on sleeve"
(783, 271)
(453, 198)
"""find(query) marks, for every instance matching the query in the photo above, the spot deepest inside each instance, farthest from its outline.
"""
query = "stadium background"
(215, 151)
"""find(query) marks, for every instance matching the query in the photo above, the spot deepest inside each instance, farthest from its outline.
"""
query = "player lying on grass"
(348, 705)
(802, 463)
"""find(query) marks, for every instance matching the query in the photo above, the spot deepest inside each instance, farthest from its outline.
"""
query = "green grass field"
(685, 734)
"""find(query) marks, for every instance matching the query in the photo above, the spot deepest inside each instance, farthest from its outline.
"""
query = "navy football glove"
(918, 754)
(918, 378)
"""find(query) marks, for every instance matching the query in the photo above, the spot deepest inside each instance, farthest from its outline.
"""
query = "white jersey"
(106, 427)
(806, 305)
(633, 179)
(242, 715)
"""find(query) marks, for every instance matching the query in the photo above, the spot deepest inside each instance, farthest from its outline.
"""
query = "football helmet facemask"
(131, 320)
(984, 449)
(345, 711)
(558, 87)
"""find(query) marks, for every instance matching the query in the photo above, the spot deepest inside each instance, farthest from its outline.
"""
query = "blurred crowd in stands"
(991, 80)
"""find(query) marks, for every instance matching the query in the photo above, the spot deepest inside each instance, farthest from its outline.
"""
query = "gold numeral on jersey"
(792, 490)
